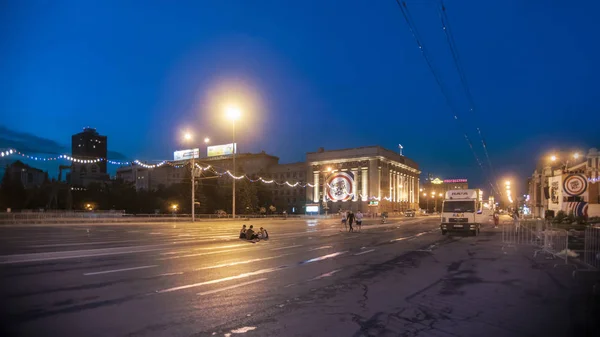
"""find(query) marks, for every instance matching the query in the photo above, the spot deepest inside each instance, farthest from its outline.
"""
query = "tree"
(248, 196)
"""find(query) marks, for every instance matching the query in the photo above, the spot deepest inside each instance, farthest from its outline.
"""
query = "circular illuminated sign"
(340, 186)
(575, 184)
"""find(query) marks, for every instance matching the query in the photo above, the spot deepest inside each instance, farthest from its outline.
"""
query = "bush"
(560, 217)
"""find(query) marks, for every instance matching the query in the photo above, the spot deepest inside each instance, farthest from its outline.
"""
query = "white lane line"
(231, 287)
(202, 254)
(365, 252)
(171, 274)
(242, 262)
(80, 244)
(288, 247)
(319, 248)
(49, 258)
(119, 270)
(324, 257)
(236, 277)
(325, 275)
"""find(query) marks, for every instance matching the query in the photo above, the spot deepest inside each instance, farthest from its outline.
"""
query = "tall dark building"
(88, 145)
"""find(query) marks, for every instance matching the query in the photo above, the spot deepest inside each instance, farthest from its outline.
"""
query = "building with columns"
(366, 178)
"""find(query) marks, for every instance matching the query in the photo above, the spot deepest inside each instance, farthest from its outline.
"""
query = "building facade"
(433, 190)
(571, 185)
(88, 145)
(366, 178)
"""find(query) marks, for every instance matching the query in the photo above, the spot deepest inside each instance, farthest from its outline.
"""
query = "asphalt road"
(180, 279)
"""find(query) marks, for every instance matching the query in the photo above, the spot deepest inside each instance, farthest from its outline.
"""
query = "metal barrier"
(517, 233)
(539, 234)
(591, 253)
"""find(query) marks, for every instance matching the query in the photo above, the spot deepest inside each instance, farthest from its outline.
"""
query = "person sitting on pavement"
(243, 232)
(263, 234)
(250, 233)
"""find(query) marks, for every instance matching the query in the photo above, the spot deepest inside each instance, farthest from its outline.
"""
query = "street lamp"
(233, 114)
(188, 137)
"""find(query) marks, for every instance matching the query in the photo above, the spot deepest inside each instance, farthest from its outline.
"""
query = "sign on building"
(312, 208)
(222, 150)
(186, 154)
(340, 186)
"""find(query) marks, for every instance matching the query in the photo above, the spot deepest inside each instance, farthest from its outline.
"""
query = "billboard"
(221, 150)
(340, 186)
(186, 154)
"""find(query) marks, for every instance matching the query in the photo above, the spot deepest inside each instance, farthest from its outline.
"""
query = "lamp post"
(233, 113)
(188, 137)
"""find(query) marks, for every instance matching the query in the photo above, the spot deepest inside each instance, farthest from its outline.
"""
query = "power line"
(413, 29)
(463, 79)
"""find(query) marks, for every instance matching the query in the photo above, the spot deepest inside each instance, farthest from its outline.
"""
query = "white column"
(365, 183)
(391, 190)
(379, 182)
(355, 185)
(399, 187)
(316, 188)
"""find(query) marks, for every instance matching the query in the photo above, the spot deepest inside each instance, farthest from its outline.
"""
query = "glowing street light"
(553, 158)
(233, 113)
(188, 137)
(576, 155)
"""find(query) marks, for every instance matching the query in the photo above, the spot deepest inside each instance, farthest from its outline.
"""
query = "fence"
(553, 242)
(591, 250)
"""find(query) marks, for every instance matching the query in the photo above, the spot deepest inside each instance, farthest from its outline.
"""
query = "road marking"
(119, 270)
(325, 275)
(286, 247)
(80, 244)
(202, 254)
(324, 257)
(48, 258)
(318, 248)
(365, 252)
(231, 287)
(400, 239)
(236, 277)
(242, 262)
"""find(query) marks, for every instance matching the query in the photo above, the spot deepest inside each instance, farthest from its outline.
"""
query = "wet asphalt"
(178, 279)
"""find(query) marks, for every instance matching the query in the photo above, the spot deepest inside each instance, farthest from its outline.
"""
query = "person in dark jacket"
(250, 235)
(243, 232)
(350, 221)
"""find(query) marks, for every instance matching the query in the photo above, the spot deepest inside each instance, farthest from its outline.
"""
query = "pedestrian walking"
(516, 219)
(350, 221)
(496, 219)
(344, 219)
(359, 217)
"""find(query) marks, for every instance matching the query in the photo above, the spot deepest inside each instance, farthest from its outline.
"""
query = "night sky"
(306, 74)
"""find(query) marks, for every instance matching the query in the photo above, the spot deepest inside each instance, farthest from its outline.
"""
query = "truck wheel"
(475, 232)
(444, 232)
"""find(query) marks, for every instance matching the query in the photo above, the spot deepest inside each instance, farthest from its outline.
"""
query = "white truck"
(462, 211)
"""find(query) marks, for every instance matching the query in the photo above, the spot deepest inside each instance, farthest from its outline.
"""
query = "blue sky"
(306, 74)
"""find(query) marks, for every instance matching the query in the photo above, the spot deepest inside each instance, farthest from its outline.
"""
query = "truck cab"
(461, 211)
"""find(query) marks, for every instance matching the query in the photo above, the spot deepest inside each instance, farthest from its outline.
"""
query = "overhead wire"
(415, 33)
(463, 79)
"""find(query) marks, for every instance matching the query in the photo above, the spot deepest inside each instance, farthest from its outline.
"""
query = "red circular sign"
(340, 186)
(575, 184)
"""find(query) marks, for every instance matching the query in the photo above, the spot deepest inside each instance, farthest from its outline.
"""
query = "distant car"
(410, 212)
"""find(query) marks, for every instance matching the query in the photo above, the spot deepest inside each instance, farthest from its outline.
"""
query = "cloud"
(32, 144)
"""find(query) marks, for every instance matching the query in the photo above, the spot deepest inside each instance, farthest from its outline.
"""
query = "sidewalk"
(465, 287)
